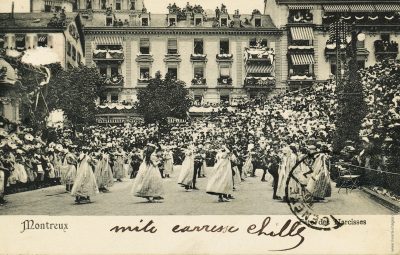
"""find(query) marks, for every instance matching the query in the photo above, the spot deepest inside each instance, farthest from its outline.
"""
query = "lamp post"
(351, 105)
(337, 33)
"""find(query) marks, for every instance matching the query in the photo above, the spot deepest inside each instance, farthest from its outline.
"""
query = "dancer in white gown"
(168, 162)
(187, 171)
(221, 182)
(85, 184)
(148, 182)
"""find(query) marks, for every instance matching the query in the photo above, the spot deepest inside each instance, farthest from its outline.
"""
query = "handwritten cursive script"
(288, 229)
(295, 230)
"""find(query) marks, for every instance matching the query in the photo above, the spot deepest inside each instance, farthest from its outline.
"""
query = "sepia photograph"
(175, 108)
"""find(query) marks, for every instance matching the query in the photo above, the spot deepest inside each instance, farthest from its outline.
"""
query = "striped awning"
(103, 40)
(362, 8)
(387, 7)
(257, 69)
(302, 33)
(302, 59)
(300, 7)
(20, 38)
(42, 38)
(336, 8)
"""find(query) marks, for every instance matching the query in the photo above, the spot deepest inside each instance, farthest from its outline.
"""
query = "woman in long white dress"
(221, 182)
(103, 173)
(119, 167)
(187, 171)
(85, 183)
(319, 182)
(70, 164)
(148, 183)
(283, 175)
(168, 162)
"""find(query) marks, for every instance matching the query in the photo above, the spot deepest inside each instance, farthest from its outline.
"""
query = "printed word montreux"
(32, 225)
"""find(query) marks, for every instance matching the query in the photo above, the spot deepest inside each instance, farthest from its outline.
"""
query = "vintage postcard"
(204, 127)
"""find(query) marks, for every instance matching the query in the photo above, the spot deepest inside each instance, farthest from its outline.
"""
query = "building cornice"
(31, 30)
(178, 31)
(344, 2)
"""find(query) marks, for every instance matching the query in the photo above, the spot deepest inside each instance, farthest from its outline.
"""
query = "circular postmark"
(300, 194)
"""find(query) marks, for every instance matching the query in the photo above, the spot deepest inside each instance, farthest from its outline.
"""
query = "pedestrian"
(221, 182)
(103, 173)
(168, 157)
(148, 183)
(187, 170)
(85, 184)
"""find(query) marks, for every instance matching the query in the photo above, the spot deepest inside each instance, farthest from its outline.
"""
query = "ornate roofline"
(179, 31)
(335, 2)
(32, 30)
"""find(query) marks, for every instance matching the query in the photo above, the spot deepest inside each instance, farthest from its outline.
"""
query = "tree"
(351, 105)
(163, 98)
(28, 92)
(75, 92)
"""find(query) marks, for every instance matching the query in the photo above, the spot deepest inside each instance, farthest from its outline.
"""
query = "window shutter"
(144, 42)
(172, 44)
(35, 41)
(50, 41)
(12, 41)
(5, 38)
(27, 41)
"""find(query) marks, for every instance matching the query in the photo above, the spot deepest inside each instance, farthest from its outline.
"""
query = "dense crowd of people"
(255, 133)
(271, 135)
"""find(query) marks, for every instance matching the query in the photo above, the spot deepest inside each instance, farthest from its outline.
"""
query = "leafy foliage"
(351, 107)
(163, 98)
(75, 92)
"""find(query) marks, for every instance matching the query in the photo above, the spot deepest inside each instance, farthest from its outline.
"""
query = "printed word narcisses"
(32, 225)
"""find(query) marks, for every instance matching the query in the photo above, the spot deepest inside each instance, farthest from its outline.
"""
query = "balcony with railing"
(300, 47)
(259, 54)
(300, 16)
(224, 57)
(259, 82)
(106, 54)
(198, 57)
(368, 20)
(224, 81)
(199, 81)
(301, 76)
(113, 81)
(386, 49)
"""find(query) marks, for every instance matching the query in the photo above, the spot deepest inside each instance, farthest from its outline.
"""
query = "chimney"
(236, 19)
(12, 11)
(188, 17)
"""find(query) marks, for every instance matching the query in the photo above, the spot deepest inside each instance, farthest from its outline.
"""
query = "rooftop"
(160, 21)
(316, 2)
(30, 20)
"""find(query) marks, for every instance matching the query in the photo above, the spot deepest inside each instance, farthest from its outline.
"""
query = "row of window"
(198, 45)
(103, 4)
(198, 99)
(23, 41)
(73, 53)
(172, 70)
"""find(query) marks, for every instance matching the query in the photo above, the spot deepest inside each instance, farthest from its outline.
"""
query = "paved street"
(253, 198)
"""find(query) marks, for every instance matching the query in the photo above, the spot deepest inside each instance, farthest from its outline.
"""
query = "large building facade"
(57, 37)
(221, 57)
(308, 42)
